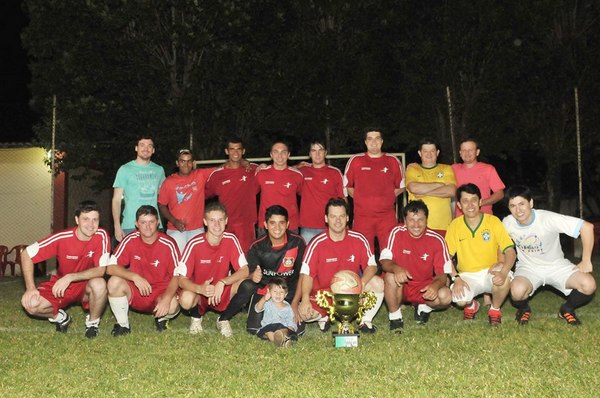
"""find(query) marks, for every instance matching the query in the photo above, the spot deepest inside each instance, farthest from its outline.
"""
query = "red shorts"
(225, 299)
(145, 303)
(411, 292)
(74, 294)
(245, 233)
(372, 227)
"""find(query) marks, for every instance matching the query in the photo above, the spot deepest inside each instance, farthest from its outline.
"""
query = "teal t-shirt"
(140, 184)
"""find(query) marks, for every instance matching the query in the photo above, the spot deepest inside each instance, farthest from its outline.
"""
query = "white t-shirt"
(538, 242)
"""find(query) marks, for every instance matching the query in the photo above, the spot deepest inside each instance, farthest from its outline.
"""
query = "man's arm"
(116, 212)
(401, 275)
(398, 191)
(350, 191)
(423, 188)
(239, 275)
(163, 304)
(368, 274)
(164, 211)
(587, 243)
(140, 282)
(494, 198)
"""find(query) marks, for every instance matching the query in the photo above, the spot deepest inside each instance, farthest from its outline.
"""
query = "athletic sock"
(521, 305)
(472, 306)
(393, 316)
(424, 308)
(91, 323)
(120, 309)
(194, 313)
(575, 300)
(60, 317)
(370, 314)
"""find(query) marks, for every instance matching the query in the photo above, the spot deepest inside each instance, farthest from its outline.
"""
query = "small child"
(277, 325)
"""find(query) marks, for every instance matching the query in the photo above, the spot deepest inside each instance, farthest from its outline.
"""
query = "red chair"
(3, 259)
(18, 249)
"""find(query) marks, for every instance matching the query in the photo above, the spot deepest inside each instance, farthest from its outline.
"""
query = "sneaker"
(324, 325)
(279, 338)
(495, 317)
(364, 328)
(523, 316)
(225, 328)
(162, 324)
(421, 317)
(469, 313)
(119, 330)
(63, 326)
(196, 325)
(91, 332)
(396, 325)
(568, 316)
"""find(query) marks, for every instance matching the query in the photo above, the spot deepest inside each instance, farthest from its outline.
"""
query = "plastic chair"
(18, 249)
(3, 259)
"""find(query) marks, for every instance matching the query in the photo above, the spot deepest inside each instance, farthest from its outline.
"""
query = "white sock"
(424, 308)
(472, 306)
(396, 314)
(120, 309)
(89, 323)
(61, 316)
(370, 314)
(322, 321)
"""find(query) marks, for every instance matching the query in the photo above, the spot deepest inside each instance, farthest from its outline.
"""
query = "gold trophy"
(345, 304)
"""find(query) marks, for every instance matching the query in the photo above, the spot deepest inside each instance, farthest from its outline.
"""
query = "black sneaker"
(396, 325)
(523, 316)
(119, 330)
(364, 328)
(63, 326)
(421, 317)
(569, 316)
(91, 332)
(162, 324)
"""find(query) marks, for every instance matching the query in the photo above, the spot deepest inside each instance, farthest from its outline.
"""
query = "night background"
(201, 71)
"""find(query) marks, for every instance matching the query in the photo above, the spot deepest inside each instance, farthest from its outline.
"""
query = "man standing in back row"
(374, 179)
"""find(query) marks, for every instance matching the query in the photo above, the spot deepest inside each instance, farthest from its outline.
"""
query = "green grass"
(445, 358)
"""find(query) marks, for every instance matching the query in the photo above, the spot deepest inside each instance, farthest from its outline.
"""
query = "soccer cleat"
(91, 332)
(324, 325)
(421, 317)
(495, 317)
(522, 316)
(469, 313)
(570, 317)
(364, 328)
(63, 326)
(225, 328)
(396, 325)
(162, 324)
(196, 325)
(119, 330)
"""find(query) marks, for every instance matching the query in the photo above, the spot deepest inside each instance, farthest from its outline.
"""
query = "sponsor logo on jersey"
(244, 178)
(226, 182)
(90, 254)
(351, 259)
(288, 262)
(366, 168)
(331, 260)
(424, 256)
(404, 251)
(220, 259)
(384, 170)
(205, 261)
(72, 257)
(325, 181)
(269, 182)
(287, 185)
(155, 263)
(308, 178)
(136, 257)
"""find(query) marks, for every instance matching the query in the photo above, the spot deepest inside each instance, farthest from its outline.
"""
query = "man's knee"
(188, 300)
(96, 286)
(375, 285)
(520, 288)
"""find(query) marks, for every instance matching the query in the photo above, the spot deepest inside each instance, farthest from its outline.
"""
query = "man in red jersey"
(416, 262)
(335, 250)
(143, 274)
(205, 270)
(81, 253)
(181, 199)
(374, 179)
(279, 184)
(236, 188)
(321, 183)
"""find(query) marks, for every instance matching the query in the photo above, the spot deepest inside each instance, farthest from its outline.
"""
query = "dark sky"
(15, 116)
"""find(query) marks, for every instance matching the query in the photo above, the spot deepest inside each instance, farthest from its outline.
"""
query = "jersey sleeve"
(451, 237)
(494, 179)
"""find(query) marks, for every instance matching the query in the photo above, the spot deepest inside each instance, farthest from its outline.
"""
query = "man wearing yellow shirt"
(475, 238)
(432, 183)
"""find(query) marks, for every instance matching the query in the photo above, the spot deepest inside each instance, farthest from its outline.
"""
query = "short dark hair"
(371, 129)
(234, 140)
(468, 188)
(145, 210)
(215, 205)
(469, 139)
(85, 207)
(144, 137)
(278, 281)
(519, 190)
(316, 141)
(336, 202)
(276, 210)
(415, 206)
(279, 142)
(428, 141)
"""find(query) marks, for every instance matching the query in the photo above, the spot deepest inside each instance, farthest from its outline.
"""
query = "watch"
(453, 278)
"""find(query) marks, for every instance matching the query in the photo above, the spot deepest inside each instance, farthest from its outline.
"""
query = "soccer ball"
(346, 282)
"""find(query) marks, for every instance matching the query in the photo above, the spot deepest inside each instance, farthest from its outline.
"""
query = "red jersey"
(184, 196)
(155, 262)
(374, 181)
(279, 187)
(324, 257)
(72, 254)
(424, 257)
(236, 189)
(201, 261)
(320, 185)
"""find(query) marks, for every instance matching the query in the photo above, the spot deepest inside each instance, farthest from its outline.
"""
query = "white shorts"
(182, 238)
(555, 276)
(479, 282)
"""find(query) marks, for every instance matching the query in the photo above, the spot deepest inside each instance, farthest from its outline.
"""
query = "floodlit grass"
(445, 358)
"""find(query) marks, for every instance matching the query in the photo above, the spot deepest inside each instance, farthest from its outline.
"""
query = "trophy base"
(345, 340)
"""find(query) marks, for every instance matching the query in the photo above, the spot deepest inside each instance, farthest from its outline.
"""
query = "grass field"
(445, 358)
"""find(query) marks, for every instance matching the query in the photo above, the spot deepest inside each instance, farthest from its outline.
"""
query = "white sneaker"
(225, 328)
(196, 325)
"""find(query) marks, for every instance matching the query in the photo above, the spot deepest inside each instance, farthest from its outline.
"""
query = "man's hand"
(216, 298)
(459, 289)
(162, 307)
(430, 293)
(257, 274)
(206, 289)
(58, 290)
(585, 266)
(401, 276)
(179, 224)
(142, 285)
(31, 299)
(305, 309)
(119, 235)
(498, 277)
